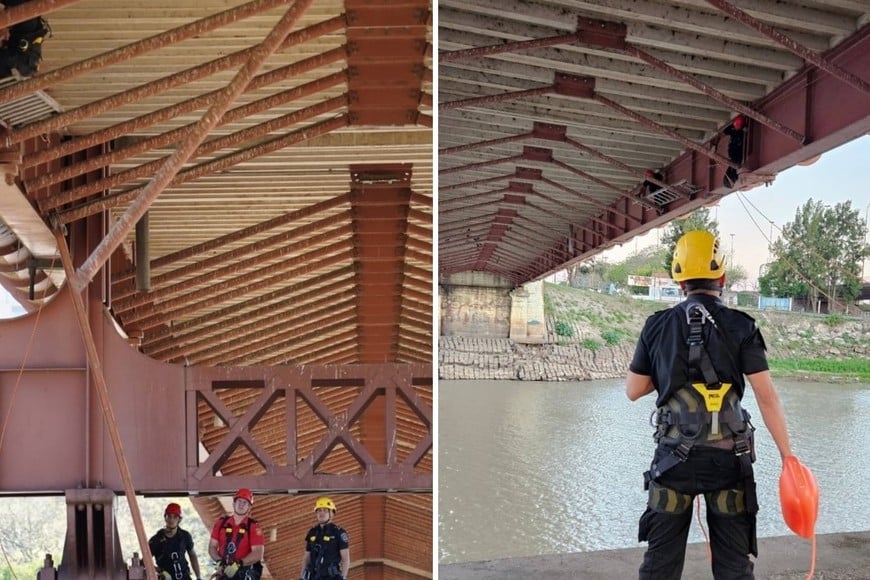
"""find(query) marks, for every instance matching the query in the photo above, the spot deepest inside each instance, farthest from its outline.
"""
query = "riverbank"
(843, 556)
(592, 336)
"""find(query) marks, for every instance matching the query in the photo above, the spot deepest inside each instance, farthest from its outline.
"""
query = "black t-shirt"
(170, 553)
(662, 352)
(324, 543)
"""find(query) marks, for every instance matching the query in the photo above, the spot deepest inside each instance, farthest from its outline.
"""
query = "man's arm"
(194, 562)
(345, 561)
(306, 559)
(771, 410)
(254, 556)
(636, 386)
(213, 547)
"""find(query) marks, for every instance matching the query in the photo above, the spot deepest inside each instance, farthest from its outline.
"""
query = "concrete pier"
(843, 556)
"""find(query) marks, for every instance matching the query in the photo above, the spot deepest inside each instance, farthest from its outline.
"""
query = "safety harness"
(233, 541)
(681, 428)
(318, 567)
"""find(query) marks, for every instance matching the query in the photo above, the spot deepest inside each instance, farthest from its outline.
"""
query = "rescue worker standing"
(327, 550)
(169, 546)
(237, 543)
(694, 357)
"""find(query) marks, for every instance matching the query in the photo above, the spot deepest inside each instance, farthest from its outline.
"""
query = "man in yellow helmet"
(694, 357)
(327, 548)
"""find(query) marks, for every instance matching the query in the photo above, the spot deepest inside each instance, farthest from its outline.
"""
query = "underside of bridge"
(567, 127)
(218, 216)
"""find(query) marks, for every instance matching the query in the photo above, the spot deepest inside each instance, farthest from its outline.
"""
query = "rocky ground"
(592, 336)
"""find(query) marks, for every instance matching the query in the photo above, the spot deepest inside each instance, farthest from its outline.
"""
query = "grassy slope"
(800, 345)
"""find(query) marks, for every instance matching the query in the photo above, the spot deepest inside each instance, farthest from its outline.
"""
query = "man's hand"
(164, 575)
(231, 569)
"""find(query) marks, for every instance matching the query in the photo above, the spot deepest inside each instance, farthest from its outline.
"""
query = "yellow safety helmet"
(698, 255)
(324, 502)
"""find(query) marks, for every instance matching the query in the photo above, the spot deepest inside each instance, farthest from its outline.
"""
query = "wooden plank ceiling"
(299, 231)
(552, 112)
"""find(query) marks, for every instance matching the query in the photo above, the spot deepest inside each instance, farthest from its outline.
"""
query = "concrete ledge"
(843, 556)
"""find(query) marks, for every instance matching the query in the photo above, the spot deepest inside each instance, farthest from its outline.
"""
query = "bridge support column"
(528, 324)
(92, 549)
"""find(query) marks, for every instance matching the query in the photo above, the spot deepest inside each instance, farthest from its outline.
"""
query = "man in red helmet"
(169, 545)
(237, 543)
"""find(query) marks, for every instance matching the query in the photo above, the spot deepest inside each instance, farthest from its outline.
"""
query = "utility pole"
(866, 231)
(732, 250)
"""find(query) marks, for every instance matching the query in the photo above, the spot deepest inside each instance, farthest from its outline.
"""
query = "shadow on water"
(531, 468)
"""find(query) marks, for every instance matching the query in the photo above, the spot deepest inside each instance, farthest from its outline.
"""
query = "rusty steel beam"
(158, 344)
(231, 273)
(714, 94)
(236, 268)
(600, 205)
(12, 15)
(163, 284)
(150, 89)
(202, 326)
(166, 113)
(226, 141)
(102, 390)
(489, 99)
(603, 183)
(664, 130)
(165, 175)
(317, 349)
(473, 166)
(482, 144)
(208, 246)
(227, 291)
(617, 163)
(443, 188)
(168, 138)
(129, 127)
(454, 55)
(273, 331)
(209, 167)
(235, 256)
(132, 50)
(263, 323)
(794, 47)
(339, 344)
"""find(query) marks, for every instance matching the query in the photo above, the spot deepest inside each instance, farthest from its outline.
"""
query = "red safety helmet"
(172, 509)
(799, 497)
(245, 494)
(739, 122)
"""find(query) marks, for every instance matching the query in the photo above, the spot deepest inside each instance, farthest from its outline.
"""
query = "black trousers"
(716, 474)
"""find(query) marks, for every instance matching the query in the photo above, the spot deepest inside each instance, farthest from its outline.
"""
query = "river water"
(533, 468)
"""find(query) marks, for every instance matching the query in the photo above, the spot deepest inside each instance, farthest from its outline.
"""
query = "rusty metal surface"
(551, 113)
(297, 235)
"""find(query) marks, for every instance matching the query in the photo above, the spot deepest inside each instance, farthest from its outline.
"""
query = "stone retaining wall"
(475, 358)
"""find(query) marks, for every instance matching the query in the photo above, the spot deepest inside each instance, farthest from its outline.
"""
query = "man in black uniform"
(327, 551)
(694, 357)
(169, 546)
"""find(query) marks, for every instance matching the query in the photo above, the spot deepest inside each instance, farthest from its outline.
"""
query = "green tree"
(818, 254)
(734, 274)
(697, 220)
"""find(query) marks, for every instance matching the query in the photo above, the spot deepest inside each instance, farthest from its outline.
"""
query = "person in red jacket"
(237, 543)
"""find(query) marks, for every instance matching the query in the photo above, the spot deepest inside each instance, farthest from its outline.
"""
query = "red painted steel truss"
(325, 413)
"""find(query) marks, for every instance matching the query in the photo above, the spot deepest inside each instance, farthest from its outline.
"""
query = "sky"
(838, 176)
